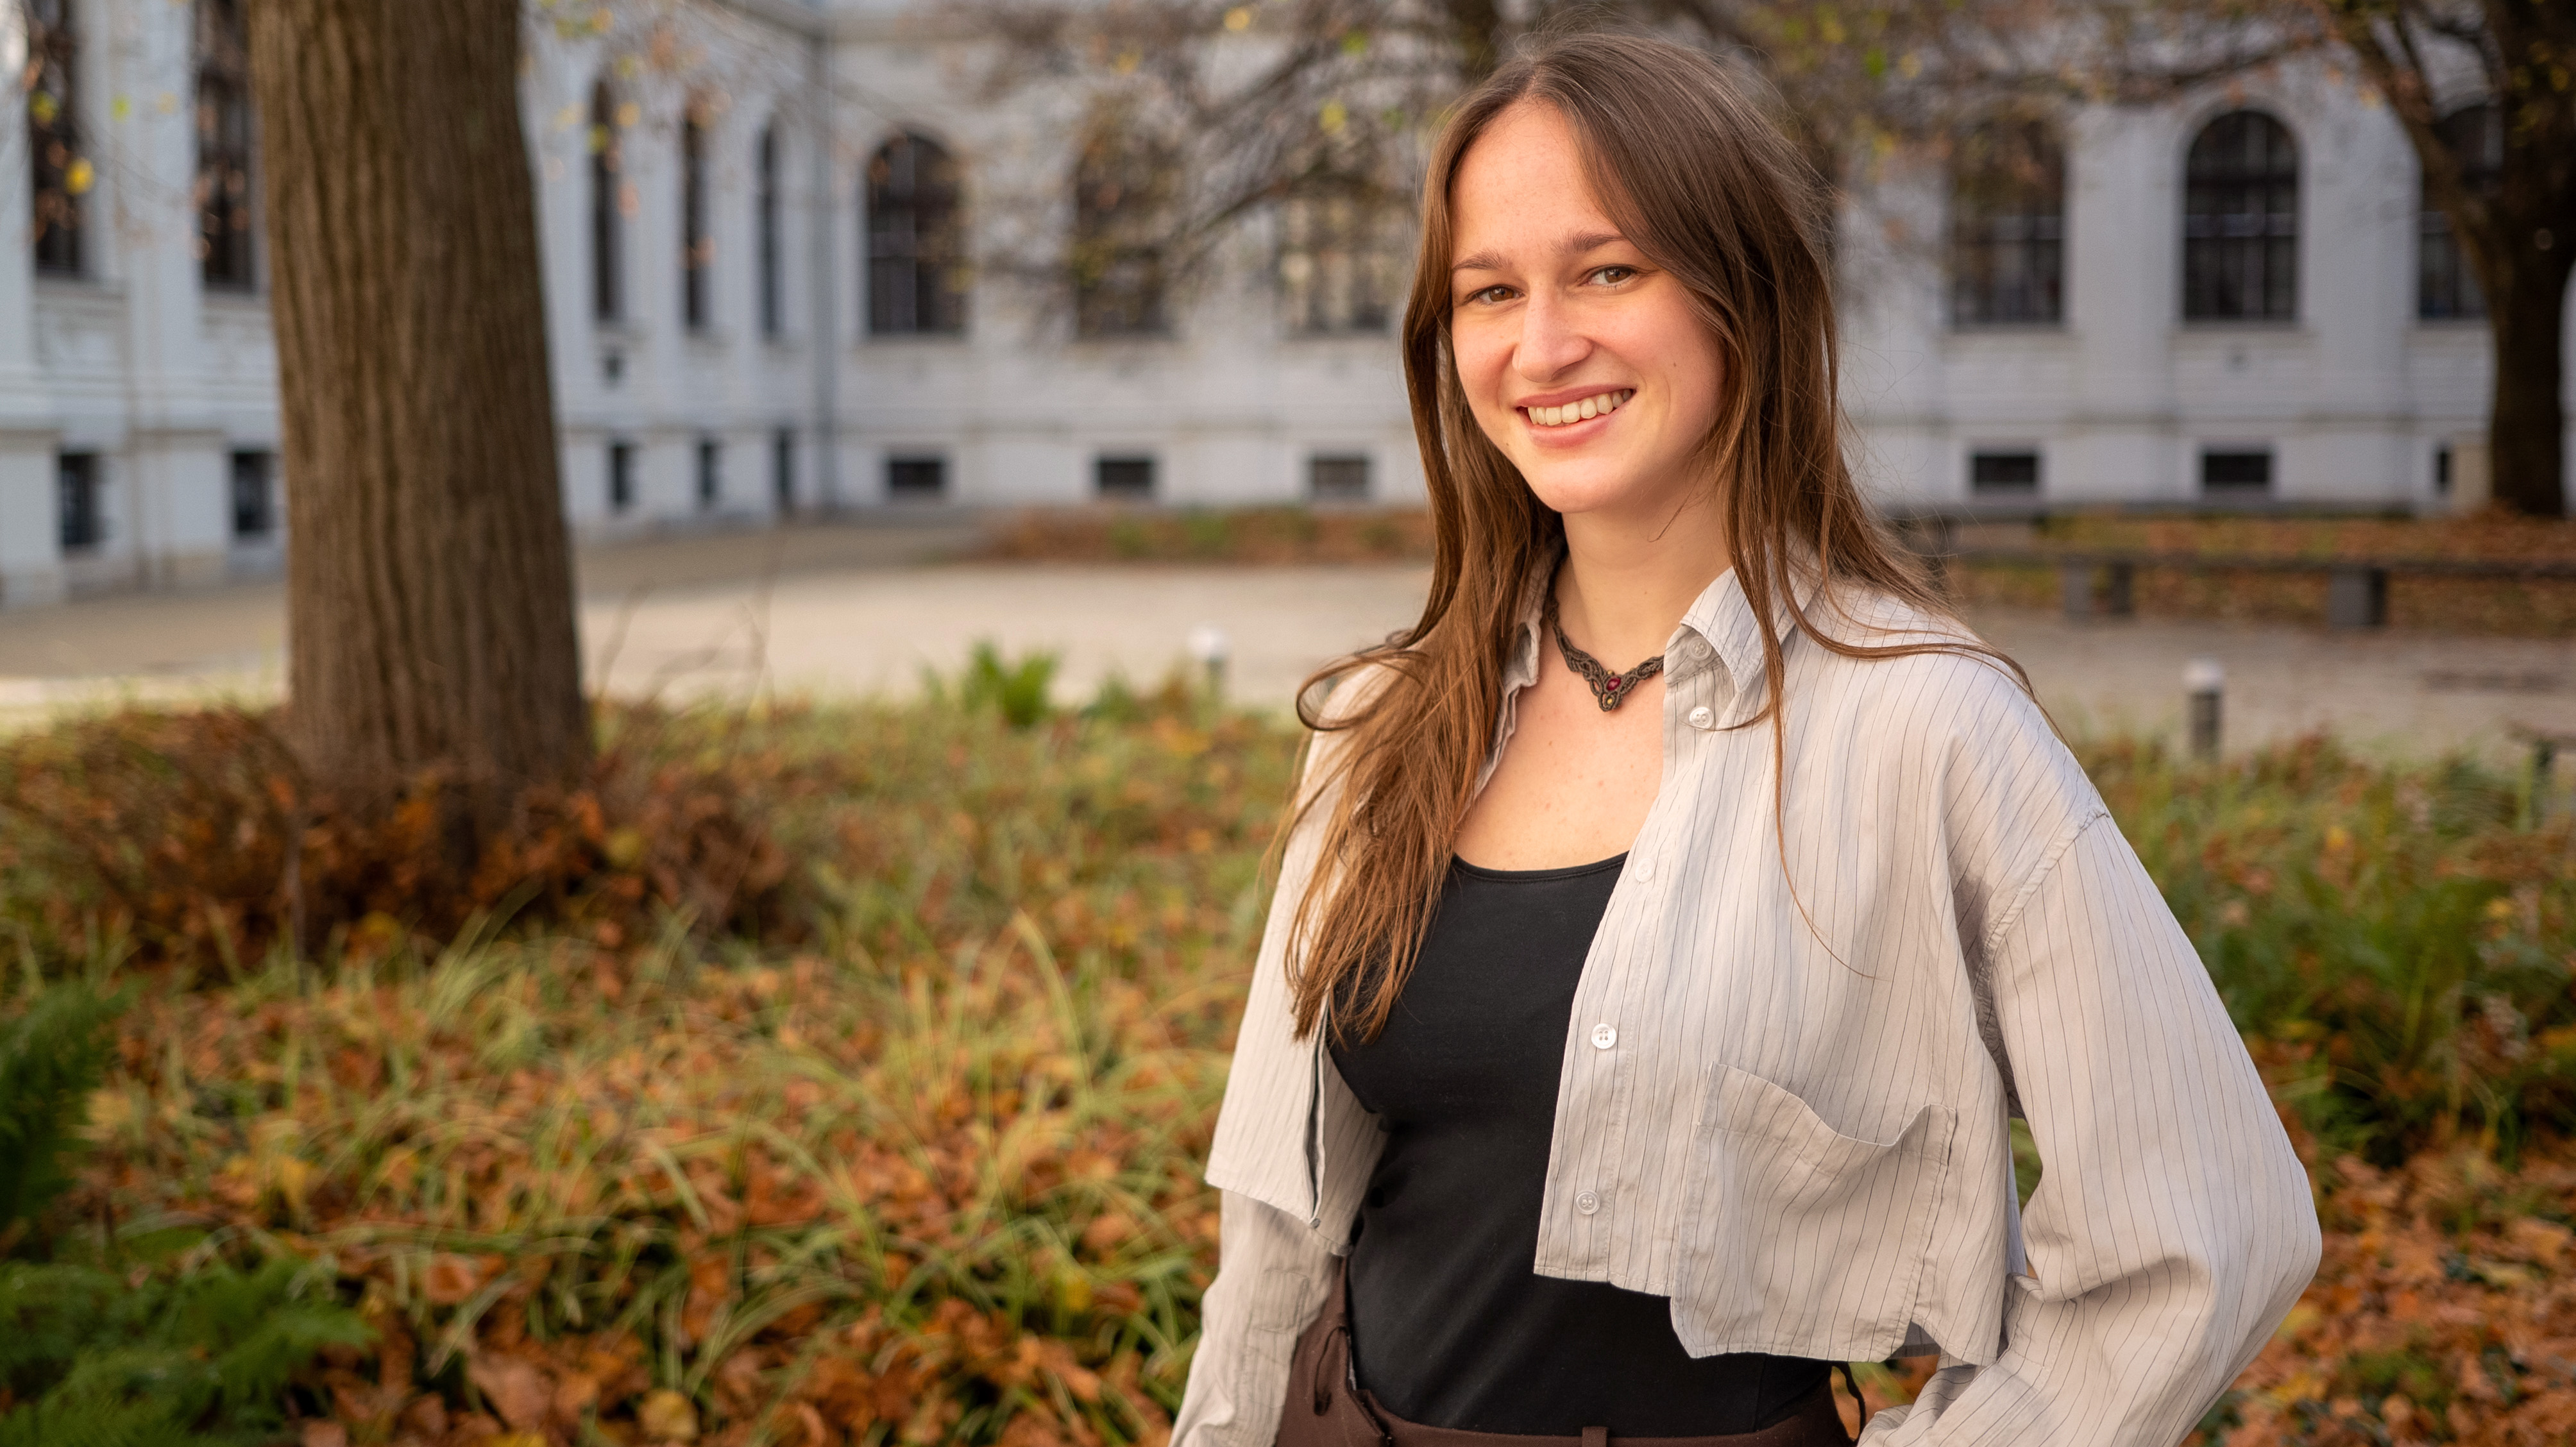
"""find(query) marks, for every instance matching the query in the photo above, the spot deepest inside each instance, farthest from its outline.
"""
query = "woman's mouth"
(1580, 410)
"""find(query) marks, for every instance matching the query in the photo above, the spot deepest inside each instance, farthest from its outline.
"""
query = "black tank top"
(1449, 1325)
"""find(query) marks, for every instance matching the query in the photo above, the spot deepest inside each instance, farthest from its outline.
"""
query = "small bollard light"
(1207, 647)
(2204, 680)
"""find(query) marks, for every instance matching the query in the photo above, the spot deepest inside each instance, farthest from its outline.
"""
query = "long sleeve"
(2173, 1226)
(1272, 1276)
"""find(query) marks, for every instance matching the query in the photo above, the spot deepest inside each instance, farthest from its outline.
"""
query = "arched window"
(2240, 221)
(697, 245)
(62, 174)
(607, 209)
(916, 240)
(2446, 285)
(1341, 262)
(2008, 226)
(1123, 185)
(765, 224)
(223, 192)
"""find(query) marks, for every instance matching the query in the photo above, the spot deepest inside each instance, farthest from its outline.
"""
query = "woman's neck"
(1626, 582)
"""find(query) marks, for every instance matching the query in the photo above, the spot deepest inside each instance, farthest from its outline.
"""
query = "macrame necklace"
(1609, 689)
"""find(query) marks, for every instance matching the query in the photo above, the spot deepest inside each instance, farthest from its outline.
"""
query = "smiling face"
(1584, 362)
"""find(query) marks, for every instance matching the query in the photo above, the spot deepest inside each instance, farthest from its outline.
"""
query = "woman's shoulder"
(1943, 678)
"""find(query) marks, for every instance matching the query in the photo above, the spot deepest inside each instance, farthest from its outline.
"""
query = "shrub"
(194, 838)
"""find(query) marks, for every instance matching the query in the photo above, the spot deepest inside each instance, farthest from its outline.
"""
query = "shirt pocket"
(1799, 1240)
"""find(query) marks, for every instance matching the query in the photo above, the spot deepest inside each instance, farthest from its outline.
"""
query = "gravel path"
(836, 610)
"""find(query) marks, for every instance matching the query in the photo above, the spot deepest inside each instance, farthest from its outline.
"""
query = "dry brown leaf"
(515, 1388)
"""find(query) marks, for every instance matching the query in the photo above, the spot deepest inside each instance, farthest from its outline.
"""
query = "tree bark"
(2527, 431)
(429, 588)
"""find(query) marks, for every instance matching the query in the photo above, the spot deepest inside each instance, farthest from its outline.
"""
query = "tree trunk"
(2527, 432)
(429, 590)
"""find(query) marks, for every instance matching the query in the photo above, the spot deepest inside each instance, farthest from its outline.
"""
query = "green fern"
(197, 1358)
(52, 1055)
(149, 1347)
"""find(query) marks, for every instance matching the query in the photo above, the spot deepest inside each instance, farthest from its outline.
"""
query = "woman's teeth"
(1577, 411)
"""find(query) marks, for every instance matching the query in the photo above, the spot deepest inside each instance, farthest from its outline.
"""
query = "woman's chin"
(1605, 490)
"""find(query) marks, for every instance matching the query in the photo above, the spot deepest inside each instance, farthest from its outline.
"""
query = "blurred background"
(2149, 307)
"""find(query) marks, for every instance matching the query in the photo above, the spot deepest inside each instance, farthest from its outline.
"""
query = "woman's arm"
(2173, 1226)
(1272, 1276)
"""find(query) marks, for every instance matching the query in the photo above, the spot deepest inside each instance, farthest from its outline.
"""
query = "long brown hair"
(1709, 189)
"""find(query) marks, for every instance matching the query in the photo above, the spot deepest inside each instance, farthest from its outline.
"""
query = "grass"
(910, 1155)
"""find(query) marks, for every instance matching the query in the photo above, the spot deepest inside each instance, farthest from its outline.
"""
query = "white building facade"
(768, 234)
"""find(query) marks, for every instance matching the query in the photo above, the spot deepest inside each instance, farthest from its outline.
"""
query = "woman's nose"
(1550, 342)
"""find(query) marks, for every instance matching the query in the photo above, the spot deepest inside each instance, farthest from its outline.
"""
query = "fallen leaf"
(516, 1390)
(668, 1416)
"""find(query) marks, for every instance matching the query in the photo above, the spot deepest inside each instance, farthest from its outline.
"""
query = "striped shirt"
(1786, 1096)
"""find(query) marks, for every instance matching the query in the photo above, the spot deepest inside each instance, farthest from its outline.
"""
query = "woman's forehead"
(1523, 194)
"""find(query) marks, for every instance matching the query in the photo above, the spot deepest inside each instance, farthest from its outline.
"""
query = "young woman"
(1674, 920)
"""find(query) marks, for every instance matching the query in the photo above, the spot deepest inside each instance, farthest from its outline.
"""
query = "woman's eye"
(1613, 275)
(1490, 294)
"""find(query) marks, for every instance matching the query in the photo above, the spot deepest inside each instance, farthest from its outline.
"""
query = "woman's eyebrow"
(1590, 241)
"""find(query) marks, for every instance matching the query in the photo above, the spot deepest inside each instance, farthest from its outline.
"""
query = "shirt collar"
(1721, 619)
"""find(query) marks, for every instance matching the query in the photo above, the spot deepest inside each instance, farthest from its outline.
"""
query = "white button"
(1587, 1203)
(1703, 717)
(1644, 869)
(1604, 1036)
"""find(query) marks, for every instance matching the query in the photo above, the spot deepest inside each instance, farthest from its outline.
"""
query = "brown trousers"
(1327, 1407)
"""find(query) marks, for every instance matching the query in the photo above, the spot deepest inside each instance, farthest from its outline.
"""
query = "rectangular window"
(254, 497)
(782, 469)
(223, 188)
(621, 476)
(2245, 469)
(916, 479)
(772, 307)
(2003, 472)
(697, 248)
(710, 473)
(1127, 478)
(608, 201)
(1341, 264)
(1337, 478)
(62, 172)
(84, 520)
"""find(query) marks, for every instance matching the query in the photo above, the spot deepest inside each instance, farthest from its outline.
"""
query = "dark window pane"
(223, 185)
(2446, 285)
(1125, 185)
(916, 240)
(919, 479)
(83, 519)
(621, 476)
(782, 469)
(607, 209)
(2008, 226)
(697, 248)
(1130, 478)
(2248, 470)
(2241, 221)
(62, 169)
(710, 473)
(1341, 266)
(254, 496)
(1337, 479)
(2003, 471)
(772, 313)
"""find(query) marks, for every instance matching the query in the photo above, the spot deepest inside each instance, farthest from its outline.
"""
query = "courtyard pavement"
(838, 610)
